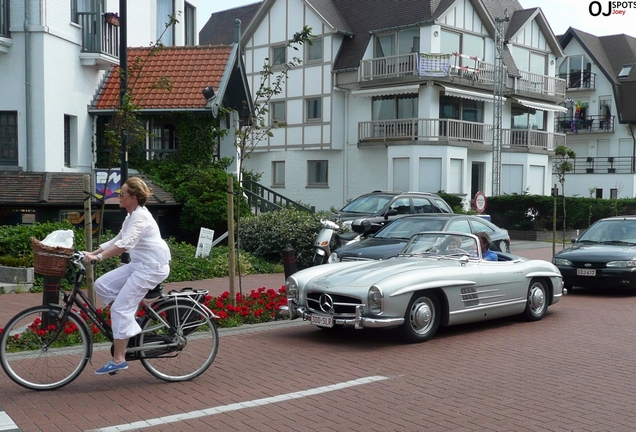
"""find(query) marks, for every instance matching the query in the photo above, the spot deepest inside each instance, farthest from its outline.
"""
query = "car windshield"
(615, 231)
(439, 243)
(404, 228)
(367, 204)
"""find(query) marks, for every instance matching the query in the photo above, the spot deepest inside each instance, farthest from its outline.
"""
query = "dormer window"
(624, 73)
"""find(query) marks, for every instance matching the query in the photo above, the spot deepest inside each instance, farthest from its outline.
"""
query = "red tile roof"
(190, 68)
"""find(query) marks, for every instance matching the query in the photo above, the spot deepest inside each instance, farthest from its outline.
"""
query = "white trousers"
(125, 287)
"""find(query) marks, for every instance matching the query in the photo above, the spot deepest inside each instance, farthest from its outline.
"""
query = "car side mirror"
(361, 226)
(573, 240)
(390, 212)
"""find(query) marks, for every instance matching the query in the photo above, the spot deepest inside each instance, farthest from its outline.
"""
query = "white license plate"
(585, 272)
(322, 320)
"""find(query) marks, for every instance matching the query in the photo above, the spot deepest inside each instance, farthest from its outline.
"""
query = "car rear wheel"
(421, 318)
(537, 302)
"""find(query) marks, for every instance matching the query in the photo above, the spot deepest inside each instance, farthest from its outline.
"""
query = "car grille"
(588, 265)
(342, 305)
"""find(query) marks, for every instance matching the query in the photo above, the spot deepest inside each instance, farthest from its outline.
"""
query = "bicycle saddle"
(154, 293)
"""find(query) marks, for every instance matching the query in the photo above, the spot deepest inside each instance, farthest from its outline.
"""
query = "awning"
(469, 94)
(541, 105)
(387, 91)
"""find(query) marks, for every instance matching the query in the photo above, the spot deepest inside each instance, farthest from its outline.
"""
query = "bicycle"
(47, 347)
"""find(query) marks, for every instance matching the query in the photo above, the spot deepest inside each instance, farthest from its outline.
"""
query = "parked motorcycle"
(329, 238)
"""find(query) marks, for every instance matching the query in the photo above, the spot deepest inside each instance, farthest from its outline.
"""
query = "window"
(278, 173)
(394, 107)
(451, 107)
(314, 109)
(467, 44)
(85, 6)
(317, 173)
(67, 141)
(599, 193)
(402, 42)
(162, 140)
(4, 18)
(314, 51)
(8, 138)
(190, 24)
(278, 113)
(528, 60)
(165, 8)
(577, 71)
(613, 193)
(279, 57)
(625, 71)
(527, 118)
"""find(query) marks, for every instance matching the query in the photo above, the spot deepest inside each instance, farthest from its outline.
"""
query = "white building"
(53, 55)
(370, 109)
(601, 80)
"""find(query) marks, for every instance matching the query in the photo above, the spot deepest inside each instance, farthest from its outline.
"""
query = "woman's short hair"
(139, 188)
(483, 235)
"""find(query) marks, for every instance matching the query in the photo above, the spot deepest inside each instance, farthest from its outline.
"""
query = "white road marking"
(240, 405)
(6, 424)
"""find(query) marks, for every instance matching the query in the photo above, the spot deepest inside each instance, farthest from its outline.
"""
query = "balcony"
(604, 165)
(100, 40)
(581, 80)
(480, 73)
(450, 131)
(589, 124)
(540, 84)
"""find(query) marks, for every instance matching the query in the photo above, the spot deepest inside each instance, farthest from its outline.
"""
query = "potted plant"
(112, 18)
(611, 169)
(590, 168)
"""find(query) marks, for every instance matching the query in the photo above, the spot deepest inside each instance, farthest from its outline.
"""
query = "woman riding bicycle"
(124, 287)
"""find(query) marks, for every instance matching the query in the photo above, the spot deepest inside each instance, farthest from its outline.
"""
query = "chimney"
(237, 31)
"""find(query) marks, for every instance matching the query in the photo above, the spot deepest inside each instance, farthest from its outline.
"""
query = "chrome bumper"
(293, 311)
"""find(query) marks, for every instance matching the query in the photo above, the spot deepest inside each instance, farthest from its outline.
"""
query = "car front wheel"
(421, 318)
(537, 302)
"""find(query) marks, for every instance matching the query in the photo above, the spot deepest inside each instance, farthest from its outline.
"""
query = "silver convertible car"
(427, 285)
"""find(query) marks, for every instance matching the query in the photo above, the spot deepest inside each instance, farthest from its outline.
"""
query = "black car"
(390, 240)
(382, 207)
(603, 257)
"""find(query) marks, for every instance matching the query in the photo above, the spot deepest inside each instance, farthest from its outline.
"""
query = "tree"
(562, 164)
(257, 126)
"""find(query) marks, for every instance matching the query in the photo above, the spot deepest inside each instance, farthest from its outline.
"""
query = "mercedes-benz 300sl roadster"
(427, 285)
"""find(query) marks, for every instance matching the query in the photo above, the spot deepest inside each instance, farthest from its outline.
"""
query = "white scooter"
(329, 239)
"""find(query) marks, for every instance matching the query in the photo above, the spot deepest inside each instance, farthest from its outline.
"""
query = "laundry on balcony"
(434, 64)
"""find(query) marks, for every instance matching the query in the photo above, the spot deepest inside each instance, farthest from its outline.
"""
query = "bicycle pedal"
(113, 372)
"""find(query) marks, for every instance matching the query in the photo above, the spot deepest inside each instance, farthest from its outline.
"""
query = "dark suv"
(382, 207)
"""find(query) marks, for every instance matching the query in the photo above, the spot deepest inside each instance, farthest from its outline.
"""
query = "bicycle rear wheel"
(33, 358)
(185, 355)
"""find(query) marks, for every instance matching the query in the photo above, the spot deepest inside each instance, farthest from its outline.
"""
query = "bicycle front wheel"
(31, 354)
(184, 355)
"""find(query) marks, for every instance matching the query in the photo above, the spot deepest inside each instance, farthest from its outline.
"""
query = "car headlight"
(623, 264)
(291, 286)
(375, 300)
(561, 262)
(333, 258)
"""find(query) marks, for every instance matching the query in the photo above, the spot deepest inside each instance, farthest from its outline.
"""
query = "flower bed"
(261, 305)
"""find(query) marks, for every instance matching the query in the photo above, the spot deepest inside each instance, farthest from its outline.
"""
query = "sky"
(561, 14)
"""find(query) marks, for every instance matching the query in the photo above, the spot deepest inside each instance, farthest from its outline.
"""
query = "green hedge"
(536, 212)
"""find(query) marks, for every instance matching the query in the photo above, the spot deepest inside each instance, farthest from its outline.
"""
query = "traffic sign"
(480, 202)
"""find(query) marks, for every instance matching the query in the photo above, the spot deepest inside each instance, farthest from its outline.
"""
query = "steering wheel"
(456, 251)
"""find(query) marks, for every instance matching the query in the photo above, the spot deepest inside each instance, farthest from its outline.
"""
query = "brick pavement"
(571, 371)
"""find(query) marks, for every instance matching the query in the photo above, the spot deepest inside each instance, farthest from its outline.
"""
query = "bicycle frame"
(80, 300)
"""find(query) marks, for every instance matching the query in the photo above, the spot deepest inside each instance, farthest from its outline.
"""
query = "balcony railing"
(589, 124)
(542, 84)
(582, 80)
(480, 72)
(604, 165)
(98, 36)
(449, 130)
(389, 67)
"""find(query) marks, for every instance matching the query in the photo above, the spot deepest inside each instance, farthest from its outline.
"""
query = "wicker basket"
(50, 260)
